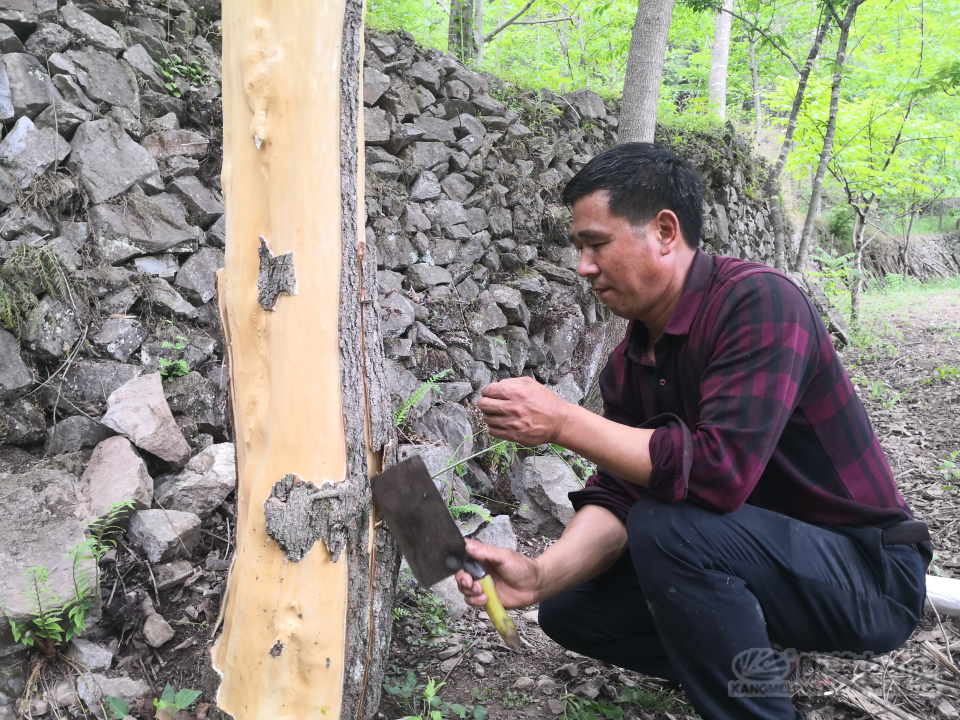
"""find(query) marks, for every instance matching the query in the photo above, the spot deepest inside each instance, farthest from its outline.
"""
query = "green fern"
(417, 396)
(458, 510)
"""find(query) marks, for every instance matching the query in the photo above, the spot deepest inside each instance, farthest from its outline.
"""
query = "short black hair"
(643, 179)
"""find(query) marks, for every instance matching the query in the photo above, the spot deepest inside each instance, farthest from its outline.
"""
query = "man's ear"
(668, 225)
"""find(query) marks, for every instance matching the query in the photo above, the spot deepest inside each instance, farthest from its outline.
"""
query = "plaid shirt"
(750, 404)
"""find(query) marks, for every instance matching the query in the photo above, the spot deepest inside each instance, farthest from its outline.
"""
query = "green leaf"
(479, 713)
(185, 698)
(118, 708)
(168, 694)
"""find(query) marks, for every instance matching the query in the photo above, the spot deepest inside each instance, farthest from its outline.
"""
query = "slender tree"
(755, 78)
(308, 609)
(641, 83)
(460, 38)
(717, 83)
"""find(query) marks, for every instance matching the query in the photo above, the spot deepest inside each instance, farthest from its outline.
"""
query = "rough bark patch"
(300, 513)
(277, 275)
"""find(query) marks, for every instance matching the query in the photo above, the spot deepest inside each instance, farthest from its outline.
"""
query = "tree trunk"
(308, 608)
(478, 30)
(859, 229)
(460, 30)
(817, 186)
(641, 83)
(773, 179)
(755, 75)
(717, 84)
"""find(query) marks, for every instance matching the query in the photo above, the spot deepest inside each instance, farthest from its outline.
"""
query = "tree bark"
(755, 76)
(817, 186)
(717, 84)
(460, 30)
(641, 83)
(478, 29)
(773, 179)
(305, 631)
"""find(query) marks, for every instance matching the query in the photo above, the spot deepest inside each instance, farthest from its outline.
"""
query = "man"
(741, 500)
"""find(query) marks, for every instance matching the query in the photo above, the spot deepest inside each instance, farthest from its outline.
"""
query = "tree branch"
(541, 22)
(507, 23)
(753, 26)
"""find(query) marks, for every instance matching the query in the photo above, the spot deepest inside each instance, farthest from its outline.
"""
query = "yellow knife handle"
(498, 615)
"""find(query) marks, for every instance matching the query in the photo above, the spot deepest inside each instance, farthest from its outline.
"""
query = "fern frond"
(418, 394)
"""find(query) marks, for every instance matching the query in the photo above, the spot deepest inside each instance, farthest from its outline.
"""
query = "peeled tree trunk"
(641, 83)
(717, 83)
(308, 607)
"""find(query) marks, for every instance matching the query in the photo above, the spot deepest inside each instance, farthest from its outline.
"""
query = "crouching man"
(742, 501)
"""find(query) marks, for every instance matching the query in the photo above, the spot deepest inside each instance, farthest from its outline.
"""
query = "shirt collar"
(681, 319)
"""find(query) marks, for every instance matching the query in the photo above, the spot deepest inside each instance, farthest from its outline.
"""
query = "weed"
(190, 70)
(884, 394)
(581, 709)
(426, 611)
(174, 368)
(943, 373)
(30, 270)
(417, 396)
(414, 697)
(950, 469)
(116, 707)
(175, 700)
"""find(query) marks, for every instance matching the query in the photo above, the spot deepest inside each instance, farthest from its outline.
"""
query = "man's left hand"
(524, 411)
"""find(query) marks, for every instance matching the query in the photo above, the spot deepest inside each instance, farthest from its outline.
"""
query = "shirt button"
(662, 382)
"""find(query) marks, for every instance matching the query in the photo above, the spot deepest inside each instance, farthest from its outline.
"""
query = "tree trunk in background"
(308, 608)
(717, 84)
(460, 31)
(773, 179)
(755, 75)
(478, 30)
(817, 186)
(641, 83)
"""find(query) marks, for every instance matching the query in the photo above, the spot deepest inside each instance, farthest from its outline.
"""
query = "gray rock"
(541, 488)
(517, 350)
(87, 383)
(89, 655)
(9, 42)
(51, 329)
(435, 129)
(22, 423)
(414, 218)
(107, 161)
(470, 144)
(511, 302)
(454, 392)
(37, 530)
(448, 423)
(518, 131)
(403, 135)
(425, 187)
(562, 339)
(119, 337)
(76, 433)
(588, 104)
(204, 206)
(499, 533)
(425, 74)
(72, 93)
(395, 250)
(554, 273)
(217, 233)
(423, 276)
(377, 126)
(170, 143)
(15, 375)
(26, 222)
(20, 15)
(30, 87)
(91, 688)
(157, 631)
(465, 125)
(139, 59)
(154, 105)
(568, 389)
(396, 315)
(195, 281)
(49, 38)
(388, 281)
(400, 101)
(105, 79)
(487, 316)
(500, 222)
(63, 117)
(201, 400)
(457, 187)
(164, 535)
(163, 266)
(171, 574)
(487, 104)
(6, 100)
(375, 83)
(456, 90)
(116, 473)
(139, 411)
(203, 484)
(91, 31)
(143, 226)
(28, 151)
(426, 154)
(60, 64)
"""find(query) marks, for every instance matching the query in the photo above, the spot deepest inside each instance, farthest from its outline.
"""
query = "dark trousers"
(701, 597)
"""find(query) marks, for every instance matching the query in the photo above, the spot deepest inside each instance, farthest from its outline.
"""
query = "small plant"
(417, 396)
(950, 469)
(174, 368)
(412, 694)
(190, 70)
(116, 707)
(175, 700)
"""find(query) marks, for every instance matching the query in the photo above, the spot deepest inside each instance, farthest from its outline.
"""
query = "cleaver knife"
(429, 538)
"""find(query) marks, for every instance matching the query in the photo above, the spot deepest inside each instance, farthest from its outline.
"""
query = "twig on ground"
(872, 697)
(935, 653)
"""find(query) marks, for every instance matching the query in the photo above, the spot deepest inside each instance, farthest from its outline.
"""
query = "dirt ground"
(910, 385)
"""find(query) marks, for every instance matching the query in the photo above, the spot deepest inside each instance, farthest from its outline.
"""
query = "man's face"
(624, 264)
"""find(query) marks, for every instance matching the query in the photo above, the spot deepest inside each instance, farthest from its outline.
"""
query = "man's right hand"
(515, 576)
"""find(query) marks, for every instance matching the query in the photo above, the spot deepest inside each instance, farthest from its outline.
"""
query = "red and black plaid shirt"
(750, 405)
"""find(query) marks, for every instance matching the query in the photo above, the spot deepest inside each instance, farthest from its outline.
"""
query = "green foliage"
(190, 70)
(117, 708)
(950, 468)
(174, 368)
(29, 271)
(424, 700)
(175, 700)
(44, 626)
(401, 415)
(426, 611)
